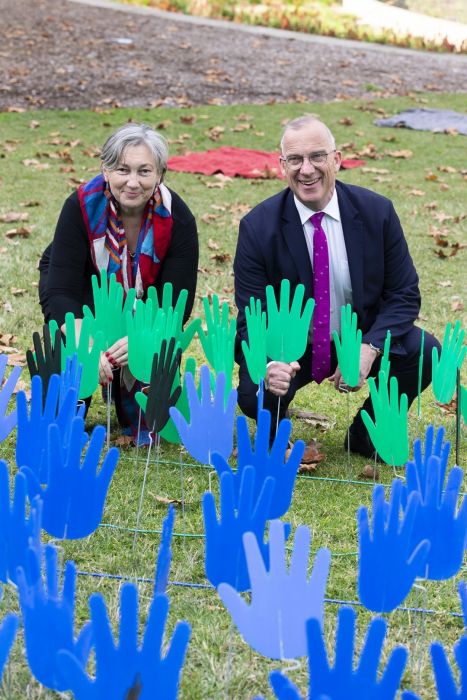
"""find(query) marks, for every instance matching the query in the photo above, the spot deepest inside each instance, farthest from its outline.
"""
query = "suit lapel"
(352, 226)
(294, 238)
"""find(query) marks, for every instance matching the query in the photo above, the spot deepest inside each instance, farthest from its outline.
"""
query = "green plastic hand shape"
(88, 351)
(288, 325)
(385, 363)
(444, 368)
(348, 346)
(169, 432)
(183, 336)
(219, 341)
(255, 350)
(389, 431)
(109, 309)
(146, 330)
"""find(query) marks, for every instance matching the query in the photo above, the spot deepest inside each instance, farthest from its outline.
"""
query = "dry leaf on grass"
(445, 283)
(369, 471)
(417, 193)
(404, 153)
(13, 216)
(213, 245)
(457, 304)
(221, 257)
(7, 340)
(17, 359)
(167, 501)
(23, 231)
(124, 441)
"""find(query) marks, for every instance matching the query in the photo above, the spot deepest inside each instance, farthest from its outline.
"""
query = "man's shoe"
(358, 441)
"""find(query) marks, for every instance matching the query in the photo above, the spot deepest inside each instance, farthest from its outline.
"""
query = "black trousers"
(404, 366)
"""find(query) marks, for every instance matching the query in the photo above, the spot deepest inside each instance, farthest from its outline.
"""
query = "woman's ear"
(105, 173)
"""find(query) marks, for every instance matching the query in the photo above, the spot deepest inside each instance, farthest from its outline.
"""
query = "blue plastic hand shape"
(283, 688)
(281, 600)
(438, 522)
(444, 367)
(70, 378)
(164, 555)
(48, 618)
(16, 530)
(389, 430)
(211, 425)
(31, 440)
(288, 323)
(342, 682)
(446, 685)
(74, 497)
(7, 637)
(7, 422)
(417, 472)
(225, 555)
(388, 561)
(110, 311)
(266, 462)
(122, 665)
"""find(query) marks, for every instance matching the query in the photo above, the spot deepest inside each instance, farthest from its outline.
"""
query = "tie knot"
(317, 218)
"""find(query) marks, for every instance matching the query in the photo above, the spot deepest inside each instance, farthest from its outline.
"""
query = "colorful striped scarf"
(107, 240)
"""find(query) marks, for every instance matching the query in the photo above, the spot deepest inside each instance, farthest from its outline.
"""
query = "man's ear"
(337, 160)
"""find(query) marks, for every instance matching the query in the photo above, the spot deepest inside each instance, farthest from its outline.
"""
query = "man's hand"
(279, 376)
(367, 357)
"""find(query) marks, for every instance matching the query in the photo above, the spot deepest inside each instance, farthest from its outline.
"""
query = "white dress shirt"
(340, 287)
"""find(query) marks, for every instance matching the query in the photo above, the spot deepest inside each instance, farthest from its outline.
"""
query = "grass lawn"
(44, 155)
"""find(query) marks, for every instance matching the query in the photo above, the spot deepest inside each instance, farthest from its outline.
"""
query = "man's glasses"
(295, 162)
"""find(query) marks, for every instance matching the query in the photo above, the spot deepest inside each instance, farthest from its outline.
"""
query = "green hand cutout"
(88, 350)
(218, 341)
(255, 350)
(348, 347)
(385, 363)
(146, 330)
(444, 368)
(183, 336)
(170, 432)
(288, 326)
(389, 431)
(109, 310)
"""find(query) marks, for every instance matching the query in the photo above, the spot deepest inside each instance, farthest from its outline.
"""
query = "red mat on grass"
(231, 161)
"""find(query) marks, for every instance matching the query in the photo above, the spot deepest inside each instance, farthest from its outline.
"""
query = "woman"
(128, 222)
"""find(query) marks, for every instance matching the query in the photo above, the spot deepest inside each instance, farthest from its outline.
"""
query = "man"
(345, 244)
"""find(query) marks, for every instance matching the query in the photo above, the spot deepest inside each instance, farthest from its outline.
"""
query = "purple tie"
(321, 353)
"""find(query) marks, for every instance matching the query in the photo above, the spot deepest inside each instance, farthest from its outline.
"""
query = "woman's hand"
(117, 354)
(105, 370)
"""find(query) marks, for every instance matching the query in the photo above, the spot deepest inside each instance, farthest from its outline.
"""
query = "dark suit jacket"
(271, 246)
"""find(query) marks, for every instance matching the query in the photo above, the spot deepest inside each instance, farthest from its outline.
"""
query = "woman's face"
(134, 180)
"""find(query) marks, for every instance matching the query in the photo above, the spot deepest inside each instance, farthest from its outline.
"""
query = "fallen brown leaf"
(13, 216)
(23, 231)
(213, 245)
(7, 340)
(17, 292)
(17, 359)
(457, 304)
(168, 501)
(445, 283)
(369, 472)
(404, 153)
(417, 193)
(221, 257)
(31, 203)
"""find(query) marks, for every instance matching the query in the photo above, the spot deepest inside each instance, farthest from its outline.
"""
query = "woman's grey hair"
(305, 120)
(133, 135)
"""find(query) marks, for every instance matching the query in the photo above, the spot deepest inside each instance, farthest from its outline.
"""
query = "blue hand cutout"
(31, 440)
(7, 637)
(446, 684)
(388, 562)
(341, 681)
(74, 497)
(211, 425)
(70, 378)
(7, 422)
(48, 618)
(437, 521)
(417, 472)
(225, 555)
(164, 555)
(281, 600)
(266, 462)
(16, 530)
(119, 666)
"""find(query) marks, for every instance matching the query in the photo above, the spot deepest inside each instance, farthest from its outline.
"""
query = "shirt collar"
(331, 209)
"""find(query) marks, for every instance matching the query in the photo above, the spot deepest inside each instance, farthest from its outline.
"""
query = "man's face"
(313, 184)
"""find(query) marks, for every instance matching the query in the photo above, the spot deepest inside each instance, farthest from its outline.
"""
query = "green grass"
(219, 664)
